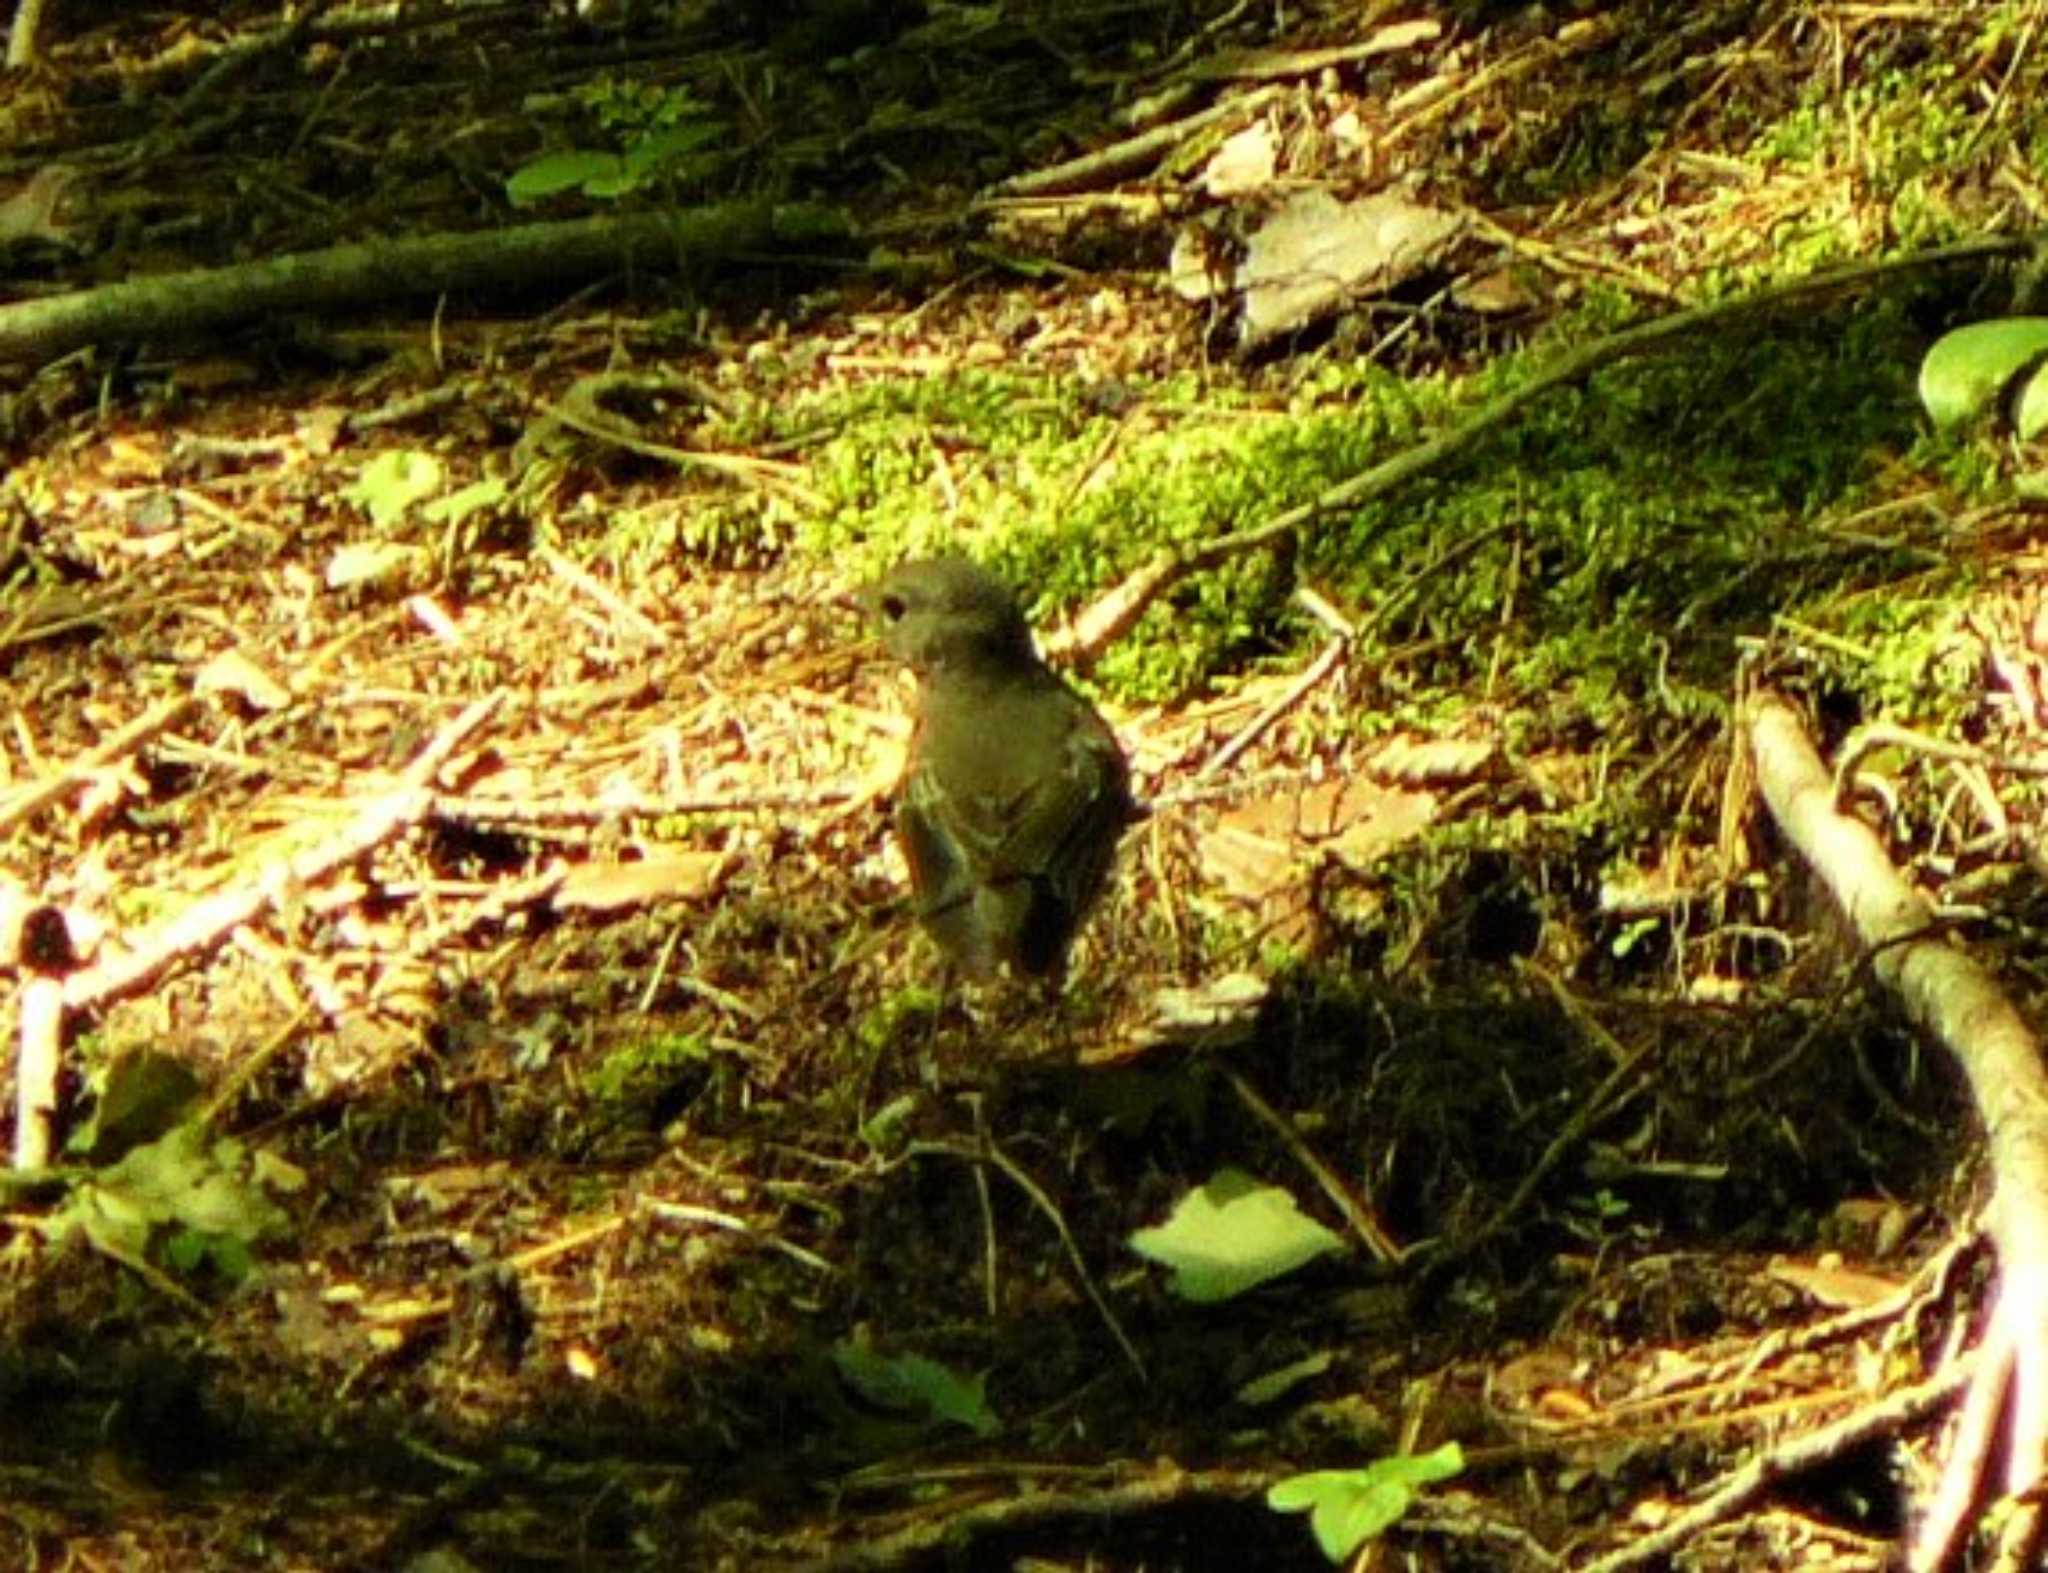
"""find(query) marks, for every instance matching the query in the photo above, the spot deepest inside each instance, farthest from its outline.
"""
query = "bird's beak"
(859, 604)
(857, 600)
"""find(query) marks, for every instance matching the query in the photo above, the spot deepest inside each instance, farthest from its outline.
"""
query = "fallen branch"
(1121, 606)
(1952, 996)
(376, 271)
(1045, 1496)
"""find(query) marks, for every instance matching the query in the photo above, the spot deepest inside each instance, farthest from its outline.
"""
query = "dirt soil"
(524, 902)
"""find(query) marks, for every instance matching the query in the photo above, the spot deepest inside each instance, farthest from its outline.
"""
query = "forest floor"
(596, 1167)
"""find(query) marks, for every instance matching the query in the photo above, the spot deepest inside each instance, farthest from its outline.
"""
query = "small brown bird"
(1015, 793)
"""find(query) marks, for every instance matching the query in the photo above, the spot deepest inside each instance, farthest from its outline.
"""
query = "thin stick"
(1602, 1102)
(1298, 690)
(587, 810)
(1746, 1484)
(604, 595)
(1119, 158)
(1357, 1214)
(989, 1152)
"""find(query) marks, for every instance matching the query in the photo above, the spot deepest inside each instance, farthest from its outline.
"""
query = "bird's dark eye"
(893, 608)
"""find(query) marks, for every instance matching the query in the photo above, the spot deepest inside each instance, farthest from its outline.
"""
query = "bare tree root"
(1950, 995)
(1793, 1456)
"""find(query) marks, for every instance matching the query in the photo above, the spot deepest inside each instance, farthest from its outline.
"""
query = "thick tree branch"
(188, 303)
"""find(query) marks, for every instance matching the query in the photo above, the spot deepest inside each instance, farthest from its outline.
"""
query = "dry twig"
(1130, 155)
(1358, 1214)
(206, 922)
(124, 742)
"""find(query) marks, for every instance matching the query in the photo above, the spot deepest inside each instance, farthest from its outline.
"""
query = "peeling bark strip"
(1950, 994)
(185, 303)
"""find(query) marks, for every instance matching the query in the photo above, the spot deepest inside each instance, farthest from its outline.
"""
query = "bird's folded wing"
(1034, 826)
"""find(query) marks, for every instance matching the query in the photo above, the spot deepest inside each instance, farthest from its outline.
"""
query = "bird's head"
(946, 612)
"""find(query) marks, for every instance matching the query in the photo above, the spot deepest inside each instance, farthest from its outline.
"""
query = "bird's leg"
(928, 1057)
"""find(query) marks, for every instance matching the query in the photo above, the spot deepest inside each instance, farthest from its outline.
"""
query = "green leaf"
(185, 1250)
(1348, 1507)
(1970, 371)
(393, 481)
(1277, 1384)
(888, 1128)
(914, 1386)
(612, 184)
(2030, 409)
(1232, 1235)
(575, 169)
(652, 154)
(1346, 1520)
(142, 1095)
(187, 1189)
(113, 1220)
